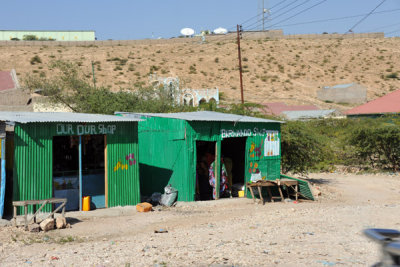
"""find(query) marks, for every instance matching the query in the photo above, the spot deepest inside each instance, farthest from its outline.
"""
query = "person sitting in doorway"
(223, 178)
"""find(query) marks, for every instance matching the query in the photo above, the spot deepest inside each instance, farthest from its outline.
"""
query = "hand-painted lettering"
(70, 129)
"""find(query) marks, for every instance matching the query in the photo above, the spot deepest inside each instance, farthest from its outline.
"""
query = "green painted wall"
(33, 160)
(168, 152)
(57, 35)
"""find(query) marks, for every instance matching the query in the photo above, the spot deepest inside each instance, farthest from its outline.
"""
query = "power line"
(259, 21)
(298, 13)
(339, 18)
(357, 23)
(291, 3)
(398, 30)
(386, 26)
(280, 15)
(366, 16)
(281, 2)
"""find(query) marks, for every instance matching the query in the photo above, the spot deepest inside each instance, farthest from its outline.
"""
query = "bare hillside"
(274, 70)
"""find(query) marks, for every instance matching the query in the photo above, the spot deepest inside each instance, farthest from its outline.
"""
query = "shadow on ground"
(317, 180)
(72, 220)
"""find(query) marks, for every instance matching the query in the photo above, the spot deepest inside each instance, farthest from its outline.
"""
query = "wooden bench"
(273, 183)
(42, 202)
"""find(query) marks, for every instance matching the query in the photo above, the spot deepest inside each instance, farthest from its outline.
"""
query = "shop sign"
(71, 129)
(243, 132)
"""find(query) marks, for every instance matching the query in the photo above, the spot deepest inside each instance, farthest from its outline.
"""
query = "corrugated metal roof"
(307, 114)
(26, 117)
(389, 103)
(279, 107)
(346, 85)
(200, 116)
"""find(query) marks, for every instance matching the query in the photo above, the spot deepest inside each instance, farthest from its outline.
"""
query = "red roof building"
(389, 103)
(6, 81)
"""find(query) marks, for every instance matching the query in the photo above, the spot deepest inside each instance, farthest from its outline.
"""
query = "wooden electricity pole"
(239, 30)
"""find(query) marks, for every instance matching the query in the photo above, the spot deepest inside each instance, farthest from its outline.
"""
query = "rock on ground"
(34, 228)
(61, 222)
(47, 224)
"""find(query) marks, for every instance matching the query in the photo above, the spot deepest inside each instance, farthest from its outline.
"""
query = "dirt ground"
(228, 232)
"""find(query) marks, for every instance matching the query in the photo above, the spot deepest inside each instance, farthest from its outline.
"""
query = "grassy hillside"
(274, 70)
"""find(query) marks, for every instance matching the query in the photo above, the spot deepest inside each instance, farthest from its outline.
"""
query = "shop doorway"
(67, 169)
(205, 155)
(233, 151)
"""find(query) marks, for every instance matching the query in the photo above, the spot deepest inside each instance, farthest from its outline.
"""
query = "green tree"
(378, 144)
(302, 148)
(70, 88)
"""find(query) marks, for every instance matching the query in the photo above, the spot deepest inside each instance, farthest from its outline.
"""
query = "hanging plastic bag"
(169, 196)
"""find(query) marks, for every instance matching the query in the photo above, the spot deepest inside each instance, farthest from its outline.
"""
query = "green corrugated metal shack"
(172, 145)
(73, 155)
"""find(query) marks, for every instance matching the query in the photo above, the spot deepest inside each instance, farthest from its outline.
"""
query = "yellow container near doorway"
(86, 203)
(241, 193)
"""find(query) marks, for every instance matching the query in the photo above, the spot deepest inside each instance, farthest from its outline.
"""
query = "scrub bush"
(70, 88)
(302, 148)
(378, 145)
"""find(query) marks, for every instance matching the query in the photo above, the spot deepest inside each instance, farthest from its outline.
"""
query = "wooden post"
(80, 172)
(240, 62)
(217, 168)
(15, 216)
(2, 175)
(105, 171)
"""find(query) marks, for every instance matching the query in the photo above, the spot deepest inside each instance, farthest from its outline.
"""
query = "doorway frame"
(80, 176)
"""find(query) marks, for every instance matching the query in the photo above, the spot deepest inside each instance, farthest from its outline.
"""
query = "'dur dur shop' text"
(70, 129)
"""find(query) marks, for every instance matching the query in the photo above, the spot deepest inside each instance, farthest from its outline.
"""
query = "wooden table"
(273, 183)
(42, 202)
(290, 184)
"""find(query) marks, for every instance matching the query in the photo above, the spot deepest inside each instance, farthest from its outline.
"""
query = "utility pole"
(239, 36)
(94, 77)
(263, 12)
(262, 9)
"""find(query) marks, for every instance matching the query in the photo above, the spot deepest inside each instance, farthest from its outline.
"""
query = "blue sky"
(124, 20)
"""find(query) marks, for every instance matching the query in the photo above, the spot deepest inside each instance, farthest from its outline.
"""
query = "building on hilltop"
(351, 93)
(12, 97)
(187, 96)
(16, 35)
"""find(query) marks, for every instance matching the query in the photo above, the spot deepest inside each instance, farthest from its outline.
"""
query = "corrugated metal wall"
(166, 157)
(168, 152)
(33, 162)
(123, 184)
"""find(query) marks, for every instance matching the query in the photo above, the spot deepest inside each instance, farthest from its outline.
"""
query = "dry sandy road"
(229, 232)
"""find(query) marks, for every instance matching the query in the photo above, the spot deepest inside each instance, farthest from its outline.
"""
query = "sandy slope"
(231, 232)
(275, 70)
